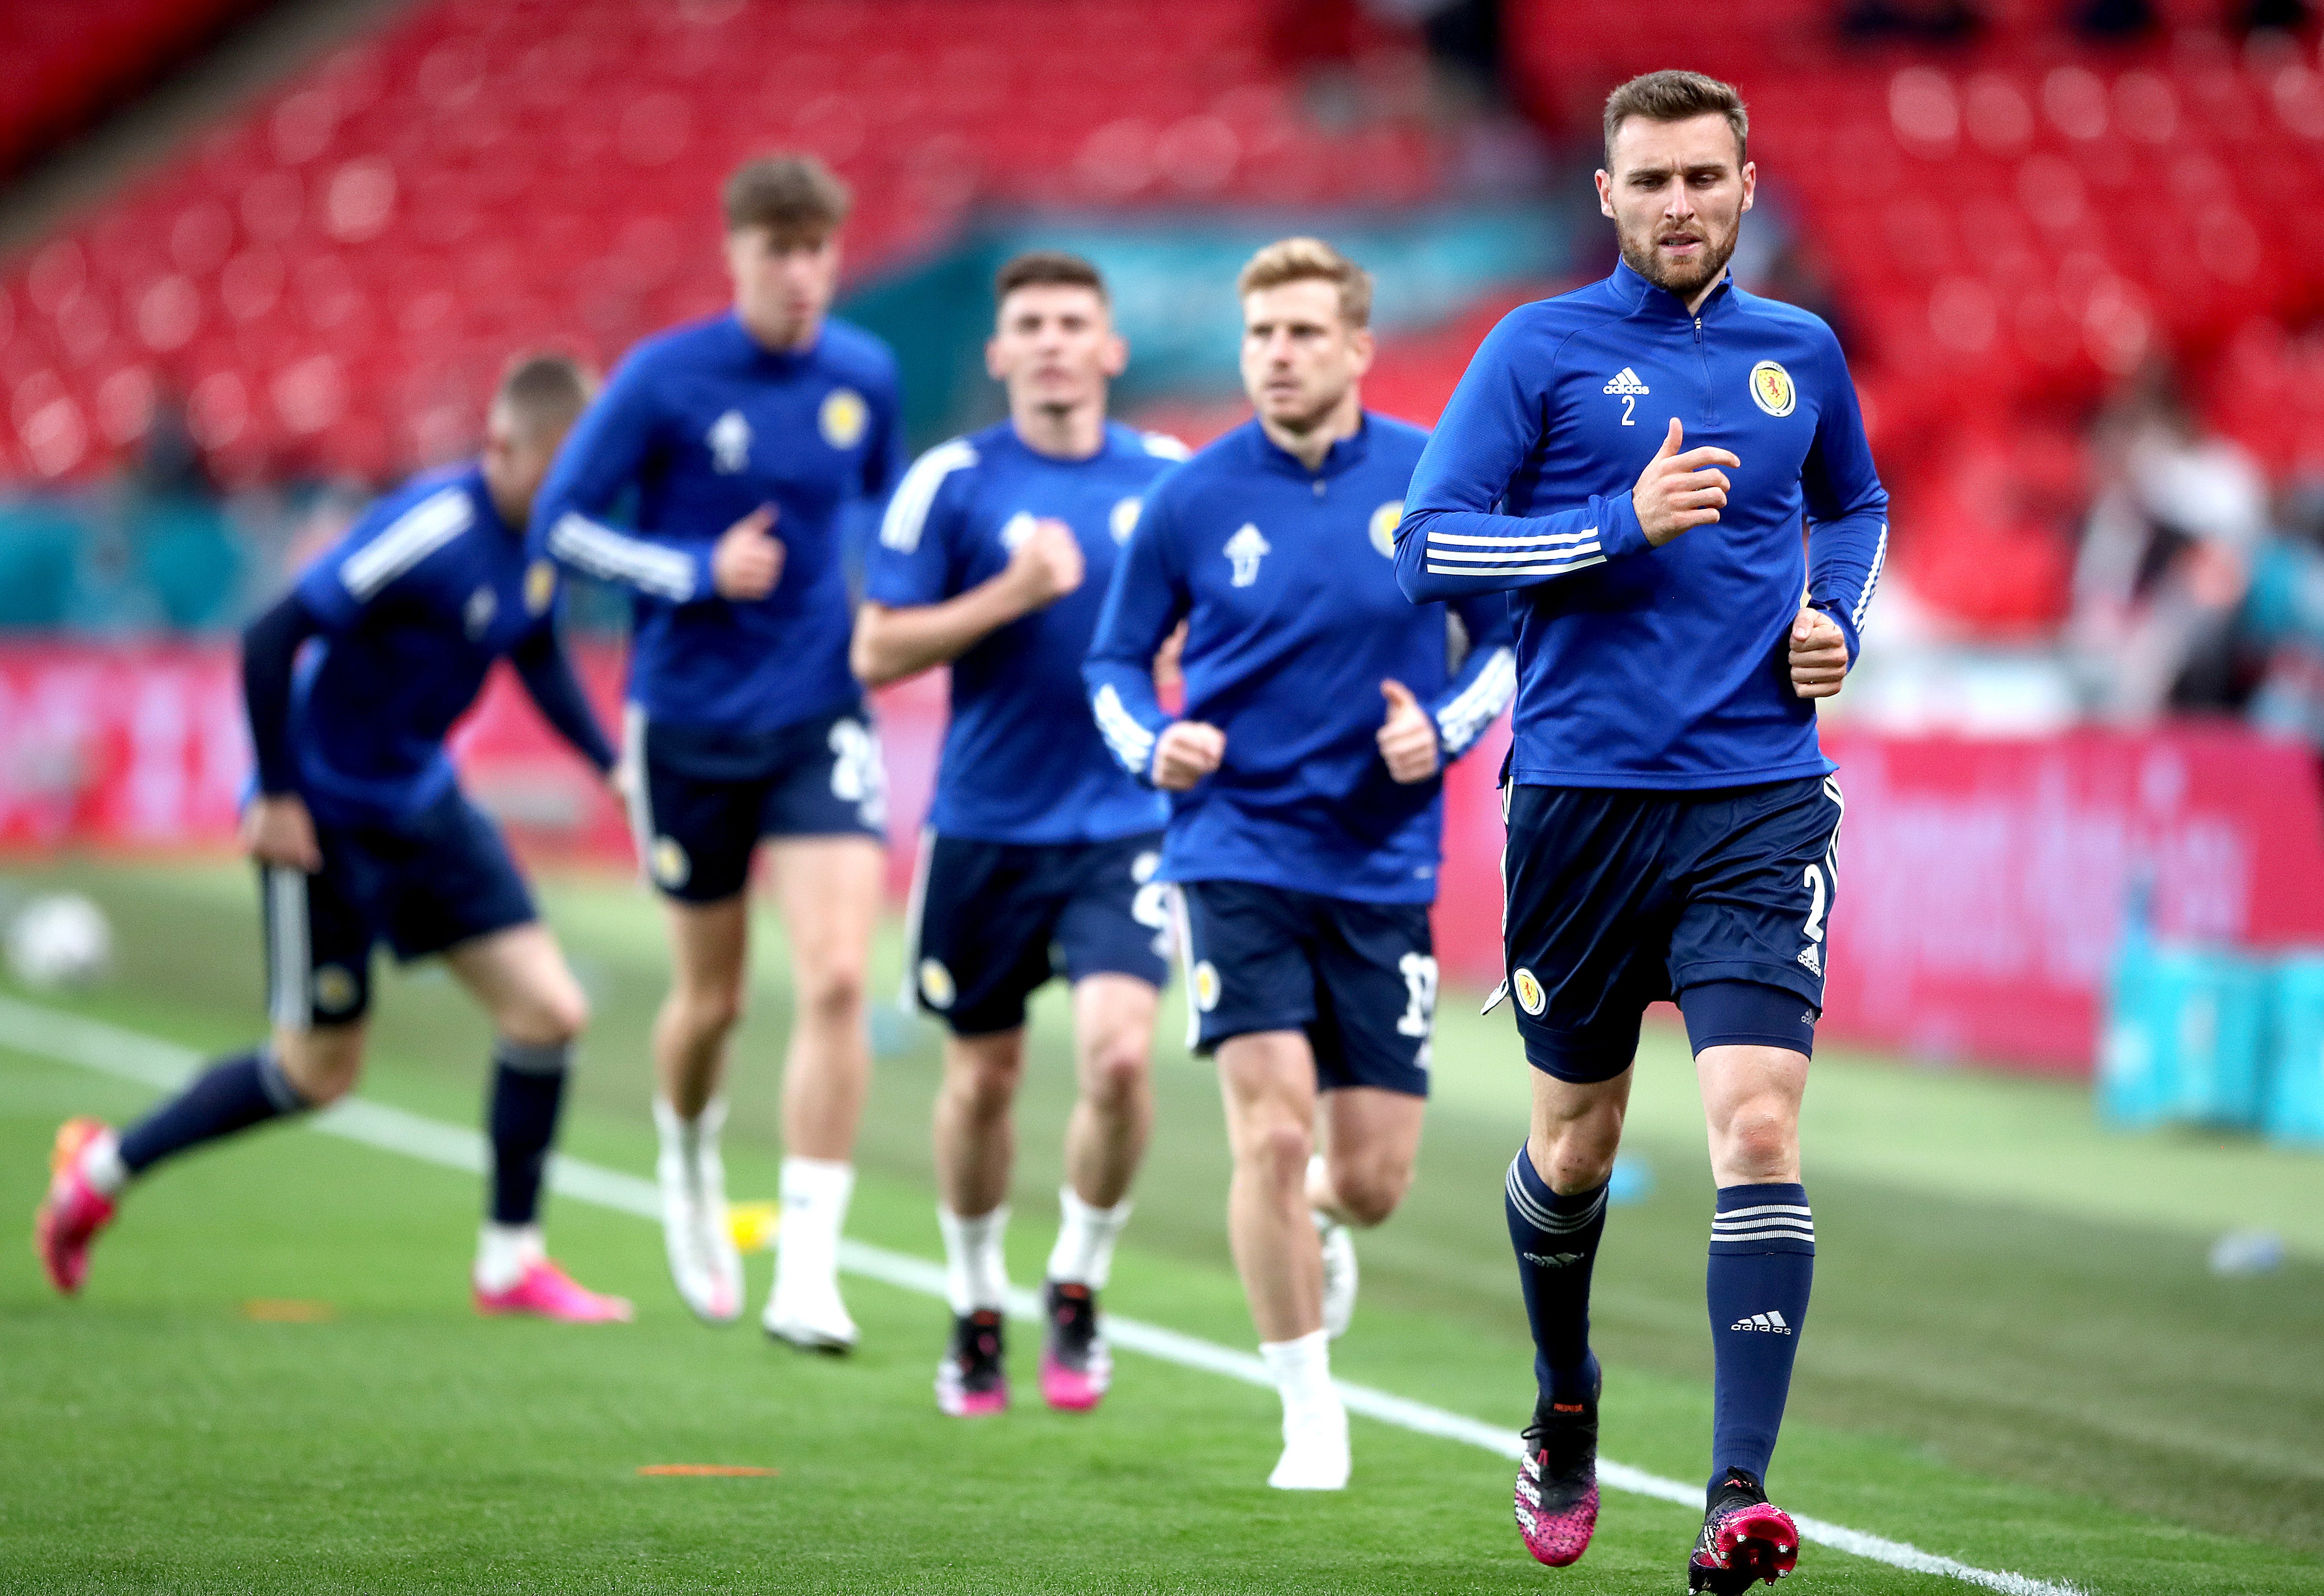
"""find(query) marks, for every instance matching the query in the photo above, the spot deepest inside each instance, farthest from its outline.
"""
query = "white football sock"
(815, 1194)
(504, 1253)
(689, 1137)
(101, 1165)
(1084, 1255)
(976, 1268)
(1302, 1375)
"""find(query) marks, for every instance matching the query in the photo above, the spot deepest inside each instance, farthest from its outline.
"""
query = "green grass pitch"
(2016, 1357)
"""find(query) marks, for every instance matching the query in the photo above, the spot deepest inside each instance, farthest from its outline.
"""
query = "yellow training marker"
(706, 1471)
(288, 1310)
(753, 1225)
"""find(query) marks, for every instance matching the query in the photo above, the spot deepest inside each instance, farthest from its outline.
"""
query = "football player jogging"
(994, 555)
(1307, 777)
(362, 835)
(742, 443)
(1632, 463)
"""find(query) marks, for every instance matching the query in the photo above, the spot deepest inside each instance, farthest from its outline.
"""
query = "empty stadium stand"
(330, 282)
(67, 64)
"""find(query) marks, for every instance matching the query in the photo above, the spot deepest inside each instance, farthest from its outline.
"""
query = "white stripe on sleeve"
(1131, 742)
(1540, 570)
(640, 562)
(1542, 540)
(907, 511)
(1871, 580)
(412, 538)
(1510, 556)
(1459, 723)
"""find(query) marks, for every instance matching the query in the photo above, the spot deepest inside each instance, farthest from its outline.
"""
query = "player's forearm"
(270, 654)
(1129, 715)
(1845, 559)
(1444, 552)
(1488, 680)
(890, 644)
(676, 570)
(547, 672)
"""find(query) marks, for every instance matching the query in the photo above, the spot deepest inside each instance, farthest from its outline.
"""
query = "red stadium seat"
(480, 175)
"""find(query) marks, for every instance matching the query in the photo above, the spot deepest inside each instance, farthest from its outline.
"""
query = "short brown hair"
(1044, 267)
(1301, 260)
(547, 392)
(793, 196)
(1676, 96)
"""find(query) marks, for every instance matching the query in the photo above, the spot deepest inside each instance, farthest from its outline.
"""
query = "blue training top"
(705, 424)
(1641, 666)
(413, 605)
(1286, 579)
(1022, 760)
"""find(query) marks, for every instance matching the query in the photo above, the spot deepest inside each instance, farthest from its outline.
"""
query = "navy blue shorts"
(1359, 978)
(430, 884)
(990, 922)
(701, 798)
(1620, 899)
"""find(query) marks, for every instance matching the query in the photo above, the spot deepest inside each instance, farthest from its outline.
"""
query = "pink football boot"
(73, 1211)
(544, 1291)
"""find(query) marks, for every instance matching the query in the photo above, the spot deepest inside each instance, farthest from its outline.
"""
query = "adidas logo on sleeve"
(1770, 1323)
(1625, 381)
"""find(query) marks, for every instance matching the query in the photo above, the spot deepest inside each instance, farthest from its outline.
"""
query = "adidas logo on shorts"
(1813, 957)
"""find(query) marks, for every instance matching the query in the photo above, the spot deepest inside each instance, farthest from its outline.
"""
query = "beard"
(1683, 280)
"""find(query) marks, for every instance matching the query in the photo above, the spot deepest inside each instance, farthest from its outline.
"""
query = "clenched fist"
(1818, 655)
(1187, 752)
(1046, 565)
(1407, 737)
(278, 830)
(1677, 491)
(748, 561)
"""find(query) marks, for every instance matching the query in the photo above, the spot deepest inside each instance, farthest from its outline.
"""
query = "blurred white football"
(58, 941)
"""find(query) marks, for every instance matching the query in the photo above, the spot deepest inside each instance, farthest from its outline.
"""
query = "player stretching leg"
(362, 834)
(994, 555)
(1304, 821)
(1673, 825)
(745, 441)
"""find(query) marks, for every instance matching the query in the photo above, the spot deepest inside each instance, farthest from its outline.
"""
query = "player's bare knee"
(1761, 1139)
(1579, 1154)
(983, 1086)
(833, 991)
(1279, 1151)
(708, 1008)
(1116, 1071)
(548, 1018)
(1370, 1190)
(322, 1065)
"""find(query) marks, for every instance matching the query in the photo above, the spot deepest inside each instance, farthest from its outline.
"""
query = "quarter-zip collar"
(1651, 302)
(1346, 453)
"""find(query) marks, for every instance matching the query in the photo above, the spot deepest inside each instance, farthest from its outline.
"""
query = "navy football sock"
(1762, 1262)
(1556, 1243)
(233, 1094)
(528, 1091)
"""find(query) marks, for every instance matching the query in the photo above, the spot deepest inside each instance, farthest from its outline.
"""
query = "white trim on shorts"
(914, 910)
(637, 788)
(1184, 925)
(290, 949)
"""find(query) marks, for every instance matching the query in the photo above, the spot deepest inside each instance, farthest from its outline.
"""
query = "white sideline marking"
(72, 1039)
